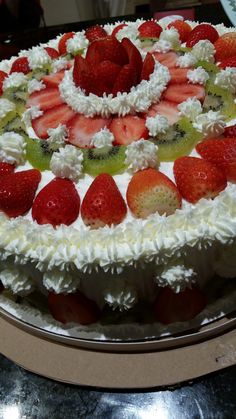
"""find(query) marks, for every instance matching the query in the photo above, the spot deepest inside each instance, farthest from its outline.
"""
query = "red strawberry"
(165, 108)
(167, 59)
(57, 203)
(180, 92)
(179, 75)
(106, 75)
(52, 52)
(6, 168)
(148, 67)
(222, 153)
(103, 203)
(182, 27)
(126, 79)
(62, 48)
(53, 79)
(108, 48)
(1, 287)
(230, 131)
(149, 192)
(20, 65)
(17, 191)
(51, 119)
(73, 308)
(118, 28)
(83, 75)
(81, 129)
(225, 46)
(170, 307)
(149, 29)
(228, 62)
(202, 31)
(3, 75)
(128, 128)
(46, 98)
(197, 178)
(95, 32)
(134, 56)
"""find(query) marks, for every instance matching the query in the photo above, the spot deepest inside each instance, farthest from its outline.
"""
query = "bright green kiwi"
(218, 99)
(104, 160)
(12, 122)
(209, 67)
(19, 98)
(38, 153)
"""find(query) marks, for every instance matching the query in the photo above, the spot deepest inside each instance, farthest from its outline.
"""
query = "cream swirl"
(140, 155)
(14, 80)
(176, 276)
(190, 108)
(12, 148)
(102, 138)
(67, 162)
(186, 60)
(226, 79)
(157, 124)
(77, 43)
(171, 35)
(120, 295)
(35, 85)
(6, 106)
(204, 50)
(198, 76)
(17, 279)
(38, 58)
(60, 282)
(211, 124)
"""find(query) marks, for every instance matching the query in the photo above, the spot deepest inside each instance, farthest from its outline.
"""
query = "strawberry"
(6, 168)
(51, 119)
(81, 129)
(170, 307)
(103, 203)
(150, 191)
(20, 65)
(126, 78)
(128, 128)
(149, 29)
(118, 28)
(134, 56)
(73, 308)
(202, 31)
(57, 203)
(106, 75)
(222, 153)
(197, 178)
(148, 67)
(178, 93)
(62, 47)
(83, 75)
(108, 48)
(52, 52)
(182, 27)
(53, 79)
(165, 108)
(228, 62)
(230, 131)
(225, 46)
(17, 191)
(46, 98)
(167, 59)
(3, 75)
(178, 75)
(95, 32)
(1, 287)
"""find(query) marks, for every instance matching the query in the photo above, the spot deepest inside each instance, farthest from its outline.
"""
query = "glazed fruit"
(104, 160)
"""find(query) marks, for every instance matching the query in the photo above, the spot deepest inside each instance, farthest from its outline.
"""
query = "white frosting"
(102, 138)
(226, 79)
(76, 43)
(59, 64)
(186, 60)
(60, 282)
(157, 124)
(161, 46)
(31, 113)
(198, 76)
(12, 148)
(14, 80)
(38, 58)
(204, 50)
(165, 21)
(211, 124)
(130, 31)
(6, 106)
(120, 295)
(140, 155)
(177, 276)
(35, 85)
(67, 163)
(190, 108)
(171, 35)
(57, 136)
(17, 279)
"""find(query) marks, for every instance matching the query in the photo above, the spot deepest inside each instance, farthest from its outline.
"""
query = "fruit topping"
(3, 75)
(128, 128)
(63, 41)
(73, 308)
(225, 46)
(228, 62)
(6, 168)
(53, 79)
(108, 48)
(17, 191)
(178, 93)
(230, 131)
(149, 29)
(95, 32)
(81, 129)
(57, 203)
(197, 178)
(148, 67)
(150, 191)
(165, 108)
(106, 75)
(218, 99)
(178, 75)
(118, 28)
(52, 52)
(167, 59)
(182, 27)
(20, 65)
(200, 32)
(46, 98)
(103, 203)
(38, 153)
(51, 119)
(104, 160)
(126, 78)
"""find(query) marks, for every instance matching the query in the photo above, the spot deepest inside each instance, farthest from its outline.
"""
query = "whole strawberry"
(20, 65)
(202, 31)
(225, 46)
(6, 168)
(57, 203)
(149, 29)
(197, 178)
(103, 203)
(95, 32)
(17, 191)
(182, 27)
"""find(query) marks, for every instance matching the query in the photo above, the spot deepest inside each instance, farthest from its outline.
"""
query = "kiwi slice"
(19, 98)
(14, 124)
(218, 99)
(104, 160)
(38, 153)
(179, 140)
(209, 67)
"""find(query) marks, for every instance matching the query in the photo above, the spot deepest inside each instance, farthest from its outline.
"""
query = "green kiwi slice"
(218, 99)
(104, 160)
(19, 98)
(14, 124)
(209, 67)
(38, 153)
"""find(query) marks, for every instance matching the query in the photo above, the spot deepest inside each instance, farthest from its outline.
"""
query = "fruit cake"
(117, 177)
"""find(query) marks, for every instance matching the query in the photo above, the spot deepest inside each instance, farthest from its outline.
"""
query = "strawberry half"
(197, 178)
(134, 57)
(83, 75)
(46, 98)
(57, 203)
(81, 129)
(126, 79)
(51, 119)
(178, 75)
(170, 307)
(167, 59)
(225, 46)
(73, 308)
(165, 108)
(128, 128)
(118, 28)
(202, 31)
(95, 32)
(148, 67)
(20, 65)
(6, 168)
(103, 203)
(53, 79)
(52, 52)
(3, 75)
(62, 47)
(150, 192)
(149, 29)
(108, 48)
(182, 27)
(178, 93)
(17, 191)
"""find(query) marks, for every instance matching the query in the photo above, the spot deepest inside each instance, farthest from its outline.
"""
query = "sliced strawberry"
(46, 98)
(3, 75)
(118, 28)
(197, 178)
(178, 93)
(84, 75)
(149, 29)
(228, 62)
(148, 67)
(165, 108)
(52, 52)
(222, 153)
(179, 75)
(128, 128)
(57, 203)
(20, 65)
(182, 27)
(95, 32)
(103, 203)
(167, 59)
(126, 79)
(53, 79)
(149, 192)
(6, 168)
(73, 308)
(202, 31)
(62, 47)
(170, 307)
(108, 48)
(134, 56)
(81, 129)
(230, 131)
(106, 75)
(225, 46)
(51, 119)
(17, 191)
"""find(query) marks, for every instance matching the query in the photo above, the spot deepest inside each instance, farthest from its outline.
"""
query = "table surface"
(25, 395)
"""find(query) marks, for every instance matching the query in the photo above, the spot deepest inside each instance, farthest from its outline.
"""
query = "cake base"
(149, 368)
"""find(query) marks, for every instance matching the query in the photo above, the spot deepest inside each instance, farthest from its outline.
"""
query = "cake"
(117, 186)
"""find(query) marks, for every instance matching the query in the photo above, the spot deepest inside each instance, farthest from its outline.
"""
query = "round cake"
(117, 179)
